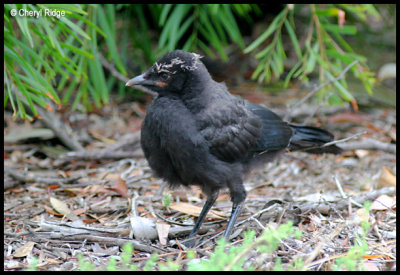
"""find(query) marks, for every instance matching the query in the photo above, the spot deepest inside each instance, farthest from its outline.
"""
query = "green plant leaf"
(346, 29)
(74, 27)
(164, 13)
(110, 39)
(272, 27)
(293, 38)
(23, 25)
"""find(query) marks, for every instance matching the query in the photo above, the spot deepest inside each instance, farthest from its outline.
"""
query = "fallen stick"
(369, 144)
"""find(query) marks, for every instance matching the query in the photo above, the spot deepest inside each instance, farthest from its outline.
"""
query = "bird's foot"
(189, 243)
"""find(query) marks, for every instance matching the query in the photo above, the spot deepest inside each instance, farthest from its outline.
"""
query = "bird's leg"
(238, 195)
(235, 213)
(210, 201)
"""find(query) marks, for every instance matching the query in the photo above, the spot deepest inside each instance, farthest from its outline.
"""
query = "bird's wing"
(230, 129)
(275, 133)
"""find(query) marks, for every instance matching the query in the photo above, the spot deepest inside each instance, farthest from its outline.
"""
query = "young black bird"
(196, 133)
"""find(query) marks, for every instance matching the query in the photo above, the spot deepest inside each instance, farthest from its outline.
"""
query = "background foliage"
(60, 59)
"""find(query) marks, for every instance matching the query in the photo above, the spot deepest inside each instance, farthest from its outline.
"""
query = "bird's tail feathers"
(311, 140)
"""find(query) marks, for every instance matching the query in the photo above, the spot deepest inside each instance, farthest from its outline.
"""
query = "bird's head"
(169, 74)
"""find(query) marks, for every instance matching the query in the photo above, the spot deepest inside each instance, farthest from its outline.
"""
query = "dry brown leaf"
(96, 189)
(136, 172)
(79, 211)
(107, 176)
(119, 186)
(362, 215)
(102, 138)
(163, 230)
(193, 210)
(59, 206)
(387, 178)
(383, 202)
(53, 261)
(360, 153)
(392, 134)
(63, 208)
(372, 257)
(51, 211)
(72, 192)
(17, 190)
(53, 187)
(24, 250)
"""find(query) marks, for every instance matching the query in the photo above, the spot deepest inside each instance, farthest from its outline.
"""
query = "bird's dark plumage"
(196, 133)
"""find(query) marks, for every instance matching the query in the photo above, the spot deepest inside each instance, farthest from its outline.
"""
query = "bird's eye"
(164, 76)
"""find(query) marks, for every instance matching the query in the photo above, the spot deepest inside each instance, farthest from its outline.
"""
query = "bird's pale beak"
(138, 80)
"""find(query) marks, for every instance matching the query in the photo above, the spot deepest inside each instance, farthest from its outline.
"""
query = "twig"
(370, 144)
(324, 103)
(339, 186)
(330, 258)
(31, 177)
(90, 238)
(100, 154)
(111, 68)
(52, 120)
(239, 223)
(244, 252)
(321, 244)
(110, 152)
(333, 142)
(366, 144)
(342, 204)
(344, 139)
(258, 223)
(340, 76)
(62, 130)
(125, 140)
(115, 73)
